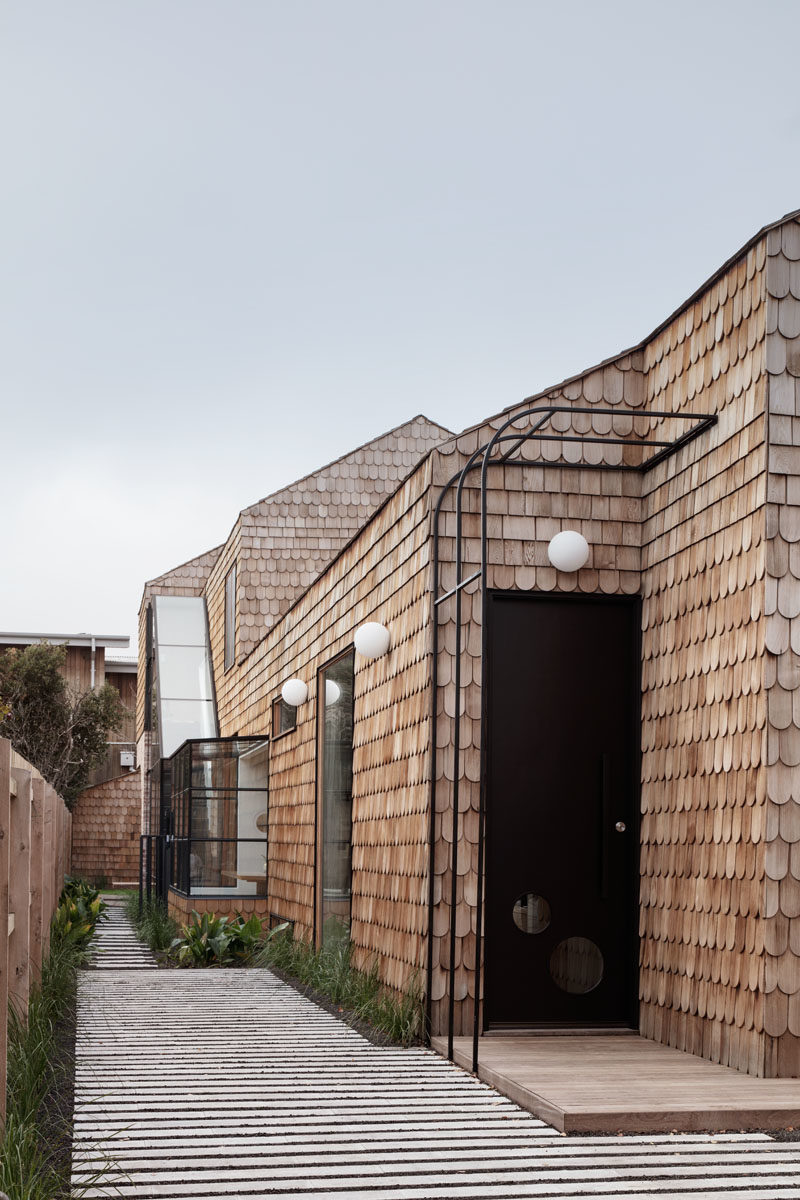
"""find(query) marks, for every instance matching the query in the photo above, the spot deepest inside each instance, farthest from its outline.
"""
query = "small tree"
(61, 732)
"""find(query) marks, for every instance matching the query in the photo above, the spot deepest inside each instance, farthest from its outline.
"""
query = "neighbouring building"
(563, 797)
(105, 818)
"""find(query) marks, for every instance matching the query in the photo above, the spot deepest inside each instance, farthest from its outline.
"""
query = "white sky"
(241, 237)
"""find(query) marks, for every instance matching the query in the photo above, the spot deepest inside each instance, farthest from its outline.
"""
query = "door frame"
(633, 602)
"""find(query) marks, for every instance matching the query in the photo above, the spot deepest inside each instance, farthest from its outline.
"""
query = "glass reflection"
(531, 913)
(576, 965)
(336, 721)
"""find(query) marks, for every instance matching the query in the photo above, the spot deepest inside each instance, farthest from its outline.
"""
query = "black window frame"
(279, 707)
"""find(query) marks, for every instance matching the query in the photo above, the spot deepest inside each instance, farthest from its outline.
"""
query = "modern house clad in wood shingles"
(699, 538)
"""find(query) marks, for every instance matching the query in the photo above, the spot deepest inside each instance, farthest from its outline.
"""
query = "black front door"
(562, 839)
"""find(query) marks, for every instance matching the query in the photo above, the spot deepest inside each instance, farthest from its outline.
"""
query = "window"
(148, 669)
(219, 802)
(335, 797)
(182, 682)
(284, 717)
(230, 617)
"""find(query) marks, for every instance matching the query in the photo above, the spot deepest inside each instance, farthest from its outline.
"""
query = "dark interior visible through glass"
(531, 913)
(336, 794)
(284, 717)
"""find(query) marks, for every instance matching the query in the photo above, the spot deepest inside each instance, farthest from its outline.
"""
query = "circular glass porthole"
(531, 913)
(576, 965)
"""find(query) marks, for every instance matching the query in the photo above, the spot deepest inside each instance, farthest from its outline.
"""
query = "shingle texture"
(105, 830)
(281, 544)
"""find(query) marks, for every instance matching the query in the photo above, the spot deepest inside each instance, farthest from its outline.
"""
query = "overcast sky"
(241, 237)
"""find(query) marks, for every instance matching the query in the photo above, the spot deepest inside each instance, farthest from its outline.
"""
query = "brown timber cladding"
(105, 830)
(35, 834)
(282, 544)
(782, 665)
(698, 524)
(526, 506)
(382, 576)
(711, 540)
(703, 701)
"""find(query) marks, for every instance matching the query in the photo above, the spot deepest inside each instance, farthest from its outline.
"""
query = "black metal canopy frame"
(485, 457)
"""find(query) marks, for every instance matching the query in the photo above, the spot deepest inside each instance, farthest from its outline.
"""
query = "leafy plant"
(211, 940)
(79, 910)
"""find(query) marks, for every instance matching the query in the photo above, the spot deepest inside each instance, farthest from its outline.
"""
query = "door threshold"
(564, 1031)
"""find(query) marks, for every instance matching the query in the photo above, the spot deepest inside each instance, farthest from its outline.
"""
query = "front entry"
(562, 805)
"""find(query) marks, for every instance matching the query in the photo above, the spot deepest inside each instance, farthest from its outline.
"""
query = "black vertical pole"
(141, 873)
(451, 1000)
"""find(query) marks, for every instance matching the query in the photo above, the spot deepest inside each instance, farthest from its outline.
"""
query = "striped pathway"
(115, 945)
(227, 1084)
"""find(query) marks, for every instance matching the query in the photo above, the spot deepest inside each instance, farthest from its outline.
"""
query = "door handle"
(605, 823)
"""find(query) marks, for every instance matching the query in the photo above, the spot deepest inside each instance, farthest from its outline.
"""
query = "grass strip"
(359, 994)
(35, 1152)
(153, 924)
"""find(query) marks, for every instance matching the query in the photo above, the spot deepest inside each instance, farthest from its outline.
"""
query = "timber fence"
(35, 842)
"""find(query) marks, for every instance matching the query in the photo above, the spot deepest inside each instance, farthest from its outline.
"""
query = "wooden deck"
(625, 1082)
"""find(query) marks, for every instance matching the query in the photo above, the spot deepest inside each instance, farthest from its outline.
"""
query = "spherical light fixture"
(295, 692)
(568, 550)
(372, 639)
(332, 692)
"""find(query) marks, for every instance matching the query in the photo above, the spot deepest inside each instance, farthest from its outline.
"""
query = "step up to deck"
(625, 1082)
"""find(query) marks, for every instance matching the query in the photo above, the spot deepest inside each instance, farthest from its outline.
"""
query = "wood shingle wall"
(526, 506)
(105, 830)
(782, 663)
(709, 539)
(281, 544)
(703, 700)
(382, 576)
(289, 538)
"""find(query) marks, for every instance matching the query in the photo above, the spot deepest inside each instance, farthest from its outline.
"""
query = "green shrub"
(330, 972)
(212, 941)
(33, 1166)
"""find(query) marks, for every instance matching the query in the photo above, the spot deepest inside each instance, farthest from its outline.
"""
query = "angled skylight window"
(183, 671)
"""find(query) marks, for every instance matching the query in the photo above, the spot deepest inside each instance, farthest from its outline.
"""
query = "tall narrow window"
(230, 617)
(335, 716)
(148, 668)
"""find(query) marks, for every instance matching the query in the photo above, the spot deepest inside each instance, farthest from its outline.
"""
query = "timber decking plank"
(627, 1082)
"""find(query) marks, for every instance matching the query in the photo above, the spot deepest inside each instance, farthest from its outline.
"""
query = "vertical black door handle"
(605, 824)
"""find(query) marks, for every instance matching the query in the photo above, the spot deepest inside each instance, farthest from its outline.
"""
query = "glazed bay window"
(335, 797)
(218, 794)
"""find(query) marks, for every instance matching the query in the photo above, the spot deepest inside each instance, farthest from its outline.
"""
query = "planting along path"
(227, 1083)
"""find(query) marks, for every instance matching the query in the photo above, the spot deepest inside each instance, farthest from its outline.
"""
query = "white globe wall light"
(332, 691)
(372, 639)
(295, 692)
(568, 550)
